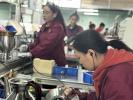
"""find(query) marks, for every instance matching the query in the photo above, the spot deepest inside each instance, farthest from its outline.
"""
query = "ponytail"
(117, 44)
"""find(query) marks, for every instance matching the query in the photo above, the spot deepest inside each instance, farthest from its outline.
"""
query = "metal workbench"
(21, 64)
(70, 82)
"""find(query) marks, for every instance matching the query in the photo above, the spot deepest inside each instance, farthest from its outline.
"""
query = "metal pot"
(7, 41)
(7, 38)
(20, 89)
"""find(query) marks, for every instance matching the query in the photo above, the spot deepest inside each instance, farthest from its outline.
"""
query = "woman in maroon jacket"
(113, 68)
(49, 43)
(73, 28)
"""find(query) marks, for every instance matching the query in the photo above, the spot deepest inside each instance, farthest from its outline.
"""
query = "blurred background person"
(92, 26)
(101, 27)
(106, 32)
(73, 28)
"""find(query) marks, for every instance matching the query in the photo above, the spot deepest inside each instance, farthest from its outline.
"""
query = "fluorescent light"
(70, 3)
(37, 9)
(87, 10)
(92, 14)
(25, 5)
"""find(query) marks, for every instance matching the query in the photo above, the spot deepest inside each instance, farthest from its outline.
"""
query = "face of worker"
(102, 27)
(86, 60)
(73, 20)
(48, 15)
(93, 28)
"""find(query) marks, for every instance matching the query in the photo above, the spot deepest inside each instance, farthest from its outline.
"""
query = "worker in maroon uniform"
(100, 28)
(92, 26)
(49, 43)
(73, 28)
(113, 68)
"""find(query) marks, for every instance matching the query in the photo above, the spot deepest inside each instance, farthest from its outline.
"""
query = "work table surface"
(61, 80)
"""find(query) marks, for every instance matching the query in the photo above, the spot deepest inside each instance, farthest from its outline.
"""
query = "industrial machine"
(125, 31)
(7, 42)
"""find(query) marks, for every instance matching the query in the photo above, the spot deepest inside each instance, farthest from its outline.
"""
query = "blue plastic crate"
(88, 77)
(58, 70)
(72, 71)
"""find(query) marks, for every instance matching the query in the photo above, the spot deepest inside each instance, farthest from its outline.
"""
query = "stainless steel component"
(18, 65)
(4, 82)
(23, 48)
(7, 86)
(70, 82)
(21, 65)
(20, 89)
(7, 42)
(12, 95)
(55, 94)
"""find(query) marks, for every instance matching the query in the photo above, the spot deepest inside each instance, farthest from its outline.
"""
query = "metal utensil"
(20, 90)
(55, 94)
(7, 41)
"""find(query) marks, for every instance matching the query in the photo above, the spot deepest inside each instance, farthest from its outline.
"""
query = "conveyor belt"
(19, 64)
(40, 79)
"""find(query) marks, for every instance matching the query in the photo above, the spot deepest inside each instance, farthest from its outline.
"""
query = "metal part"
(7, 86)
(55, 94)
(7, 43)
(20, 89)
(18, 65)
(71, 82)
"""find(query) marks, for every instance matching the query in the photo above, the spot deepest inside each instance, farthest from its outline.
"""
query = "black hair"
(75, 14)
(90, 39)
(59, 17)
(117, 44)
(102, 24)
(106, 29)
(91, 26)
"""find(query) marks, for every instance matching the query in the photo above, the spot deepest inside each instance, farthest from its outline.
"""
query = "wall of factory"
(106, 16)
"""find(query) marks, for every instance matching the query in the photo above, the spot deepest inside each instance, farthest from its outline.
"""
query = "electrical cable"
(49, 76)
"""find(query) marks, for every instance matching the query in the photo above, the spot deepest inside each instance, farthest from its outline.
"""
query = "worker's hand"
(67, 91)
